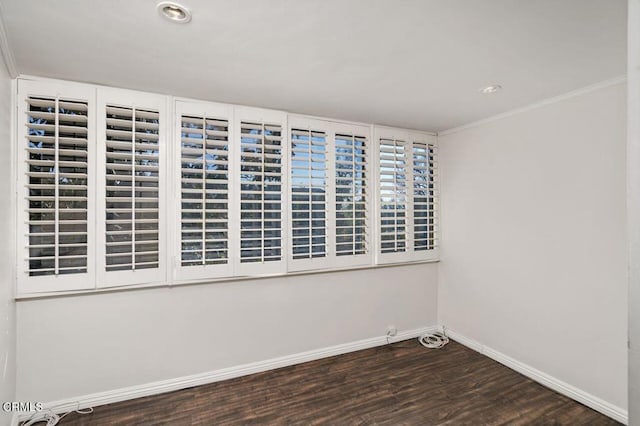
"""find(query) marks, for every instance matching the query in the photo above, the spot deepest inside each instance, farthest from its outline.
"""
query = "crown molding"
(539, 104)
(5, 50)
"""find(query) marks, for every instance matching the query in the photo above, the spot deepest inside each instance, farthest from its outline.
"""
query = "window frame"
(311, 264)
(65, 282)
(331, 261)
(432, 143)
(146, 101)
(410, 255)
(367, 258)
(171, 272)
(209, 110)
(264, 116)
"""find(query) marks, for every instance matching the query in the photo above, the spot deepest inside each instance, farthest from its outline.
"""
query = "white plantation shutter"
(309, 157)
(352, 200)
(393, 165)
(253, 192)
(203, 165)
(133, 183)
(330, 197)
(425, 196)
(261, 141)
(407, 204)
(131, 133)
(56, 158)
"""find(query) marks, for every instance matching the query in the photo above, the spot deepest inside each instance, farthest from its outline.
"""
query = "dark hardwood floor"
(399, 384)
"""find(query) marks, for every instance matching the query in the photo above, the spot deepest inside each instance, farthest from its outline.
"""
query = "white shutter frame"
(332, 261)
(432, 253)
(201, 272)
(68, 152)
(368, 257)
(139, 101)
(325, 262)
(410, 254)
(264, 116)
(64, 282)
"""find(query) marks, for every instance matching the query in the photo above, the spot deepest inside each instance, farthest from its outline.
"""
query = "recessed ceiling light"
(491, 89)
(174, 12)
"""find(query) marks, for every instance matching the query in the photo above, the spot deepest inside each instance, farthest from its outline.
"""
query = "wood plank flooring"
(399, 384)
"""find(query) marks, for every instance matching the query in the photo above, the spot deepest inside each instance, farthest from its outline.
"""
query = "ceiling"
(410, 63)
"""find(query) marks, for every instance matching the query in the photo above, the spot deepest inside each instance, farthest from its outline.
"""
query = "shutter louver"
(393, 195)
(204, 191)
(351, 192)
(308, 193)
(56, 182)
(424, 196)
(260, 192)
(132, 188)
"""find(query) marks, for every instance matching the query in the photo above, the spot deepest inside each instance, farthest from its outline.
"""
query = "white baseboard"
(155, 388)
(545, 379)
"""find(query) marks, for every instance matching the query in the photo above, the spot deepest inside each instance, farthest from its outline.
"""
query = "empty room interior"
(337, 212)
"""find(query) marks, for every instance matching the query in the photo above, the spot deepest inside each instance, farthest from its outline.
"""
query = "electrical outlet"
(392, 330)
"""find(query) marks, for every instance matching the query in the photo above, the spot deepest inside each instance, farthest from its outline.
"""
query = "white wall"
(633, 209)
(72, 346)
(533, 252)
(7, 304)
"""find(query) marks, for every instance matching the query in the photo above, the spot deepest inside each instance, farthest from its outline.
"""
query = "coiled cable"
(435, 340)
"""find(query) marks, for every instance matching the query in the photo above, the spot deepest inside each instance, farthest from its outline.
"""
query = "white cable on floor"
(52, 418)
(435, 340)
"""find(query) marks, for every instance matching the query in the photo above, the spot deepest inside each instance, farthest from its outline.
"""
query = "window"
(425, 188)
(394, 196)
(329, 192)
(55, 157)
(352, 201)
(204, 246)
(309, 194)
(260, 139)
(407, 196)
(247, 191)
(132, 175)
